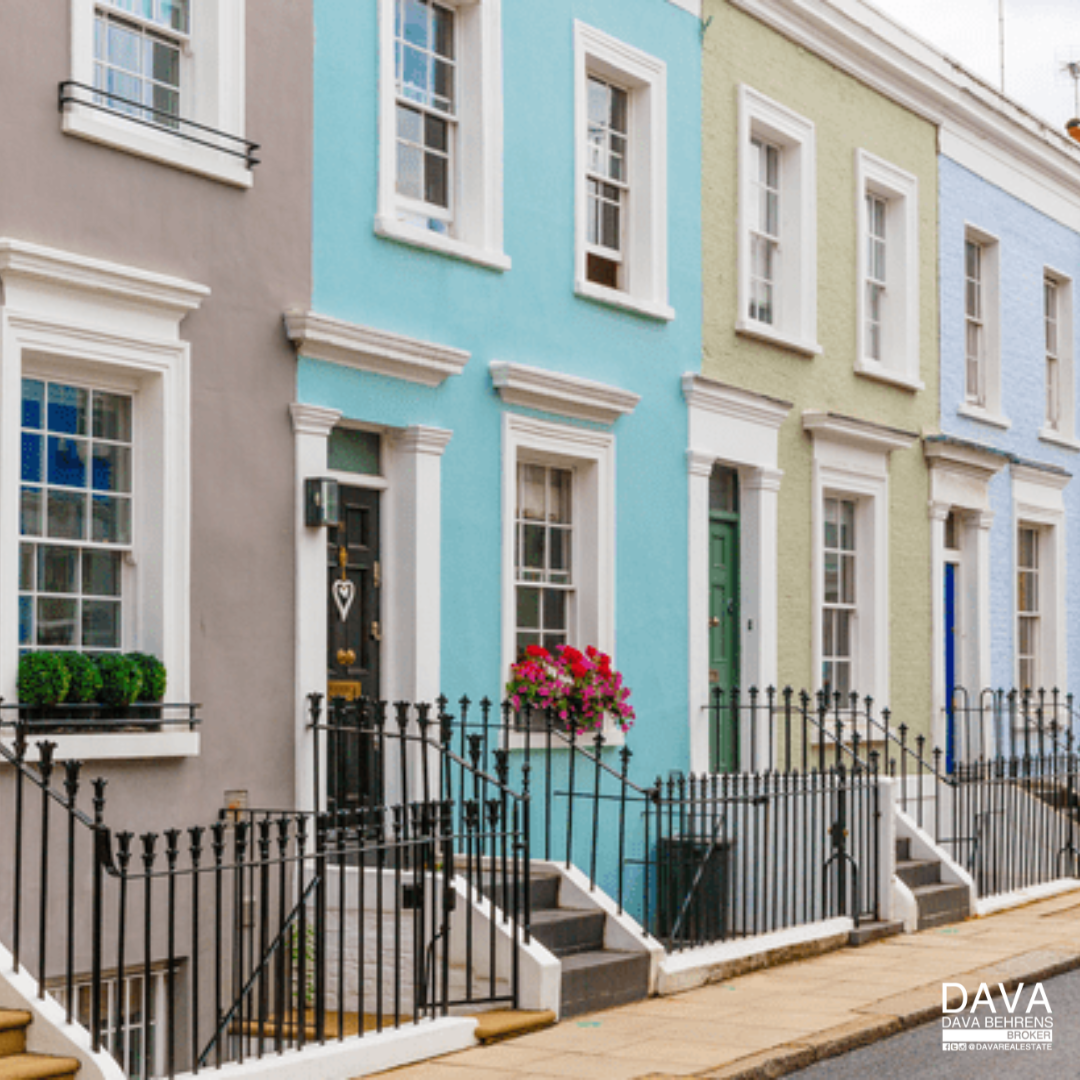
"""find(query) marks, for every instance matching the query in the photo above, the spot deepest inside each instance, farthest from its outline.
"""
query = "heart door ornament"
(344, 593)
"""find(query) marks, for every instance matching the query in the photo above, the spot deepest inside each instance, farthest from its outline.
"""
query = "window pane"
(531, 492)
(847, 579)
(111, 468)
(112, 520)
(26, 620)
(166, 63)
(843, 633)
(436, 181)
(831, 513)
(560, 555)
(67, 462)
(58, 569)
(101, 573)
(414, 21)
(828, 638)
(409, 170)
(26, 567)
(532, 555)
(444, 32)
(67, 409)
(30, 523)
(67, 515)
(560, 496)
(444, 87)
(597, 104)
(832, 578)
(31, 457)
(554, 609)
(847, 525)
(410, 124)
(528, 608)
(57, 621)
(33, 403)
(101, 624)
(618, 110)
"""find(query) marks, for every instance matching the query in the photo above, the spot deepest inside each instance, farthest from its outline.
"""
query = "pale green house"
(808, 488)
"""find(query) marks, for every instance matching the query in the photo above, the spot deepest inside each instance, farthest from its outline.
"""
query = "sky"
(1041, 36)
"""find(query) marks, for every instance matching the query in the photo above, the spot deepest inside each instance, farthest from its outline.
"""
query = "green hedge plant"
(121, 679)
(154, 677)
(43, 679)
(85, 677)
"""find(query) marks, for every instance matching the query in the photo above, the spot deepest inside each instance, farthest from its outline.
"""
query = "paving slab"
(771, 1022)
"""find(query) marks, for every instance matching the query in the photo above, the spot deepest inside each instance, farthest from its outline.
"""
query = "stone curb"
(886, 1017)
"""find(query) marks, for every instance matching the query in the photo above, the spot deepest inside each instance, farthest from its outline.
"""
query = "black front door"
(354, 633)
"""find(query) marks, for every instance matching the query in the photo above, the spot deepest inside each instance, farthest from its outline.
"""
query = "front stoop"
(17, 1064)
(939, 904)
(874, 931)
(593, 977)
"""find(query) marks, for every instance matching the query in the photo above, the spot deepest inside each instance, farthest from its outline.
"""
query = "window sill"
(118, 746)
(536, 741)
(762, 332)
(161, 146)
(1055, 438)
(589, 290)
(392, 229)
(983, 416)
(872, 369)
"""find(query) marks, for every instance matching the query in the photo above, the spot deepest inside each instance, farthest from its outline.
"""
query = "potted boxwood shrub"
(85, 678)
(43, 680)
(121, 681)
(154, 681)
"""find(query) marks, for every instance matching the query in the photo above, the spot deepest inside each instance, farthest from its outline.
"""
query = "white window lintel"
(566, 395)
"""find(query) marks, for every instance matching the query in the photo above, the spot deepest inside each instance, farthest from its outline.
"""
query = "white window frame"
(794, 324)
(1064, 433)
(475, 232)
(114, 327)
(590, 455)
(644, 289)
(212, 93)
(851, 461)
(1031, 614)
(1038, 502)
(899, 362)
(990, 265)
(841, 605)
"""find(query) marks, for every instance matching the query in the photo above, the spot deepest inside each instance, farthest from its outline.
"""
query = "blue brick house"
(506, 292)
(1004, 501)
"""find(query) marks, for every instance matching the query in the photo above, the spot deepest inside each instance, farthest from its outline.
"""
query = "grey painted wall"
(252, 248)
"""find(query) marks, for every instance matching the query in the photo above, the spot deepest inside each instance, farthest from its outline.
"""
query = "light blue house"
(506, 266)
(1004, 499)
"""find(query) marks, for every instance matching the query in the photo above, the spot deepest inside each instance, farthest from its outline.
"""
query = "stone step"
(592, 981)
(543, 887)
(903, 849)
(13, 1025)
(874, 931)
(916, 872)
(941, 904)
(566, 931)
(37, 1067)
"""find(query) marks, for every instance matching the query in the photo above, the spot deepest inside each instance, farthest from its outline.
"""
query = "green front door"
(724, 636)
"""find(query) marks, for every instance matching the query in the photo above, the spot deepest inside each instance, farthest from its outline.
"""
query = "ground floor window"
(838, 611)
(1028, 614)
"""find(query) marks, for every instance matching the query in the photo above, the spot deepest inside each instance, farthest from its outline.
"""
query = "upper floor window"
(1053, 360)
(980, 349)
(620, 102)
(1059, 425)
(139, 47)
(75, 517)
(162, 79)
(440, 141)
(777, 224)
(764, 232)
(888, 262)
(974, 327)
(425, 78)
(606, 182)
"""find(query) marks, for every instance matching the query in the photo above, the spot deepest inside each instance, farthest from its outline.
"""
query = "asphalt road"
(918, 1053)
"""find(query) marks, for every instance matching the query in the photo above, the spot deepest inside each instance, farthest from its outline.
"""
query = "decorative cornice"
(313, 419)
(23, 261)
(983, 519)
(854, 432)
(423, 440)
(1048, 477)
(732, 402)
(979, 462)
(564, 395)
(763, 479)
(364, 348)
(699, 462)
(939, 511)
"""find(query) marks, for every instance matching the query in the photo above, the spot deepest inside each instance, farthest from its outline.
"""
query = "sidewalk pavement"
(774, 1021)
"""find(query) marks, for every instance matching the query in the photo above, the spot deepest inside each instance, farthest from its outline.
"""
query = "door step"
(17, 1064)
(939, 903)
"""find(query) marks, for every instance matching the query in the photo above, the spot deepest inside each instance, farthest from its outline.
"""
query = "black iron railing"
(263, 930)
(71, 718)
(138, 112)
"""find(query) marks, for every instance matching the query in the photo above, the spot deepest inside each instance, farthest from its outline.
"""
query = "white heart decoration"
(344, 593)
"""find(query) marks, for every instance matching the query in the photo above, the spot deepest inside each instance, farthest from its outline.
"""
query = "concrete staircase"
(939, 903)
(593, 977)
(17, 1064)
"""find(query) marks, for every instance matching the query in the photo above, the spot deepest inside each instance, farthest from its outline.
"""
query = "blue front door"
(950, 664)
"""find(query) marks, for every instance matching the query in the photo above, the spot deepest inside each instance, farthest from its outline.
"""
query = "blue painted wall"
(527, 315)
(1030, 242)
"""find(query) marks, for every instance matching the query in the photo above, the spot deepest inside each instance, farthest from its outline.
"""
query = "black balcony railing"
(70, 718)
(79, 94)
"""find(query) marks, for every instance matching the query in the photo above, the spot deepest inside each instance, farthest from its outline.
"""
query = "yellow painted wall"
(847, 116)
